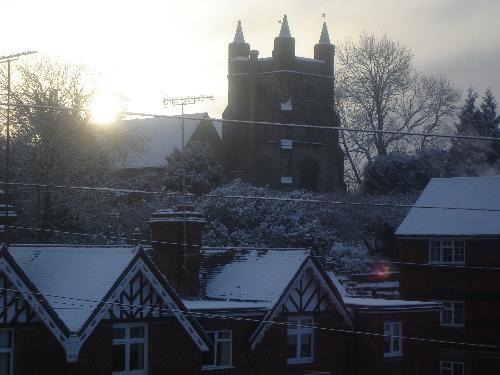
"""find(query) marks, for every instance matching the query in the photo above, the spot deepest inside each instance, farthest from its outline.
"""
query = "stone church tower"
(283, 88)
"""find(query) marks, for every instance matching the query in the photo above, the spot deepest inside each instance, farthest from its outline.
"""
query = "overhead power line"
(247, 122)
(208, 249)
(249, 197)
(108, 305)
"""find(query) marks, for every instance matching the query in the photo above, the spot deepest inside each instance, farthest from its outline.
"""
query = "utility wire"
(250, 197)
(247, 122)
(109, 305)
(209, 249)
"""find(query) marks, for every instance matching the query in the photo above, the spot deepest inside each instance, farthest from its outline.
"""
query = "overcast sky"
(148, 49)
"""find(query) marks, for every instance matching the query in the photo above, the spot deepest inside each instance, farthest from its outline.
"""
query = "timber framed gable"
(310, 291)
(141, 292)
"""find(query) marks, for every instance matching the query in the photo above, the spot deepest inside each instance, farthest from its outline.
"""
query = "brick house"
(170, 308)
(451, 256)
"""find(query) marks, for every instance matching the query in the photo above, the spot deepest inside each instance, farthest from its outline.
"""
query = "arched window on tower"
(309, 171)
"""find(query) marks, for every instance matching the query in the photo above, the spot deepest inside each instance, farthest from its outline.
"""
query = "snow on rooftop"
(464, 192)
(309, 59)
(388, 303)
(251, 275)
(224, 305)
(160, 137)
(84, 273)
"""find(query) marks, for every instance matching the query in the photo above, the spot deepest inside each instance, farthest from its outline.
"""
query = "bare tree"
(378, 88)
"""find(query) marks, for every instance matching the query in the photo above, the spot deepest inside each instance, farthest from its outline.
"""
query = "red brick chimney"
(179, 263)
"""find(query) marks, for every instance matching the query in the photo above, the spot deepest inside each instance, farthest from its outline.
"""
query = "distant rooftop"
(160, 137)
(461, 192)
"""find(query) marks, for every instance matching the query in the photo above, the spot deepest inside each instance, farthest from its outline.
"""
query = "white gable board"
(309, 292)
(15, 283)
(124, 304)
(13, 306)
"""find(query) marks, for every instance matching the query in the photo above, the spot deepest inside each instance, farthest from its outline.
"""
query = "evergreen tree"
(490, 122)
(203, 169)
(475, 157)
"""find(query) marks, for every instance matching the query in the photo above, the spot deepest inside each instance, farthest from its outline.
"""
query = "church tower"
(283, 88)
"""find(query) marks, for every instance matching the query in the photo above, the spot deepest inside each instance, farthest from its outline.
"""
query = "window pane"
(396, 329)
(5, 339)
(395, 344)
(458, 369)
(459, 251)
(4, 363)
(119, 357)
(435, 251)
(446, 368)
(447, 254)
(306, 346)
(225, 335)
(136, 332)
(136, 356)
(292, 346)
(387, 342)
(446, 316)
(118, 333)
(223, 353)
(459, 313)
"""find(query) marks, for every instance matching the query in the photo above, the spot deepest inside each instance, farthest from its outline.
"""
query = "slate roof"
(462, 192)
(250, 274)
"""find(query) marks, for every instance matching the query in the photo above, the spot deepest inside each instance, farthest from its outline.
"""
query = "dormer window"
(447, 251)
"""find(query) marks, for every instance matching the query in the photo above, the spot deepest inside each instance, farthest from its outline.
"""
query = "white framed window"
(222, 353)
(6, 351)
(447, 251)
(451, 368)
(453, 313)
(286, 180)
(393, 339)
(300, 340)
(130, 349)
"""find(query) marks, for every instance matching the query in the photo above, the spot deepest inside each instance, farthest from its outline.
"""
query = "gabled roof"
(250, 274)
(85, 273)
(461, 192)
(78, 285)
(312, 266)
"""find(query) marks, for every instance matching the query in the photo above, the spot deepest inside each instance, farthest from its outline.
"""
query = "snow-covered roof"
(389, 304)
(461, 192)
(224, 305)
(160, 137)
(250, 274)
(83, 273)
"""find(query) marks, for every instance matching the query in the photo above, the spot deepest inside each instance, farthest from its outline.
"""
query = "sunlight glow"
(106, 108)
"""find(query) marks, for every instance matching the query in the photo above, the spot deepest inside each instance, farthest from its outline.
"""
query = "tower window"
(309, 171)
(309, 93)
(261, 91)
